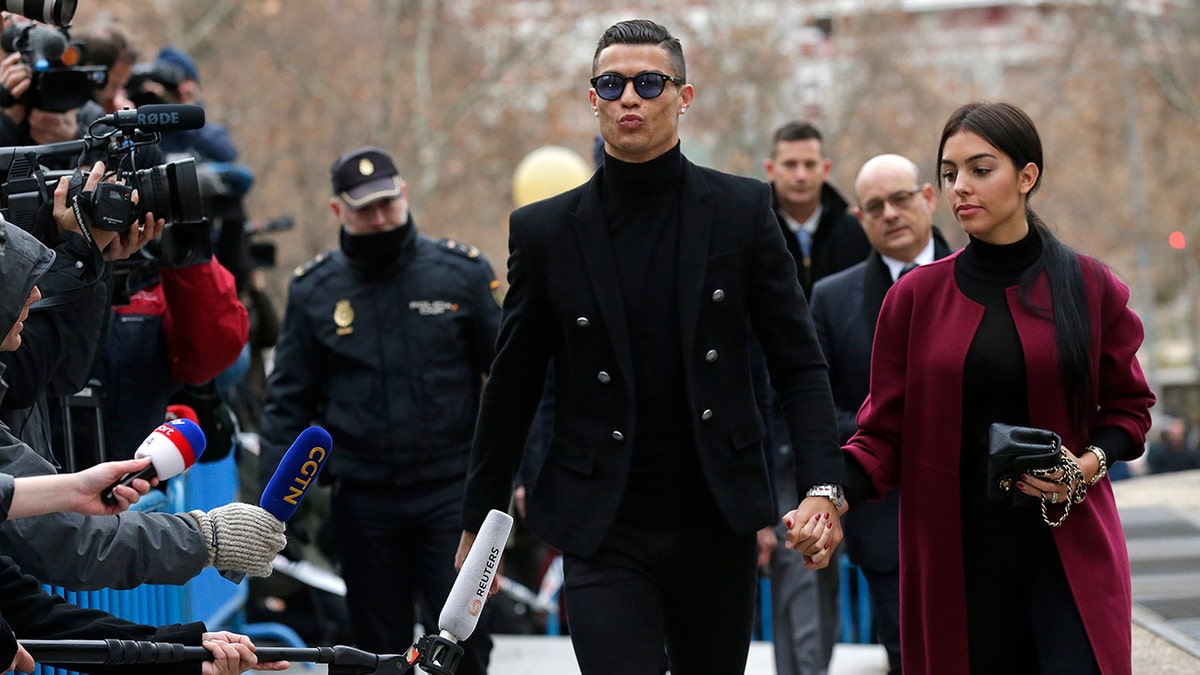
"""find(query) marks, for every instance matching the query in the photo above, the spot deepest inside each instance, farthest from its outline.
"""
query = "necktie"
(805, 238)
(906, 269)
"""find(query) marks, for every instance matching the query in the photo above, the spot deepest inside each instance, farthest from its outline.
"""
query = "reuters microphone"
(461, 612)
(295, 474)
(172, 448)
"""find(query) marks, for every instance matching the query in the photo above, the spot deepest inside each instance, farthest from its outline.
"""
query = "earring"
(682, 110)
(596, 113)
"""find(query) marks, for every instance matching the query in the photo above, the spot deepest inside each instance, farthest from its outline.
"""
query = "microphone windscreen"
(173, 447)
(169, 116)
(296, 473)
(470, 591)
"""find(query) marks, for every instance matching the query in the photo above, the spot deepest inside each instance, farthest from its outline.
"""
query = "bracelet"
(1099, 453)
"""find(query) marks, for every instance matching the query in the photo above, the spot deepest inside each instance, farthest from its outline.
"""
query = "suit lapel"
(596, 250)
(877, 279)
(695, 228)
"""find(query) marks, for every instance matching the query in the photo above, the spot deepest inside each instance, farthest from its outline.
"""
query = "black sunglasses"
(610, 86)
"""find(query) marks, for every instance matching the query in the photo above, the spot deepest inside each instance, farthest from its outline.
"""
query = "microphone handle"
(114, 652)
(107, 496)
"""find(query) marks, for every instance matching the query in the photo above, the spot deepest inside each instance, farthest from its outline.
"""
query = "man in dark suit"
(823, 237)
(643, 286)
(821, 233)
(896, 212)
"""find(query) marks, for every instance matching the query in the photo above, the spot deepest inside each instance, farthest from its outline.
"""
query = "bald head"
(894, 207)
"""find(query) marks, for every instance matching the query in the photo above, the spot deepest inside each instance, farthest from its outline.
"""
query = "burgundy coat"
(909, 436)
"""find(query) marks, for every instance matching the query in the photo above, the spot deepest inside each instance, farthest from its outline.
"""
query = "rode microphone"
(294, 475)
(157, 117)
(172, 448)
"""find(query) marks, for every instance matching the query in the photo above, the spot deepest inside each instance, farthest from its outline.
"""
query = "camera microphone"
(172, 448)
(157, 117)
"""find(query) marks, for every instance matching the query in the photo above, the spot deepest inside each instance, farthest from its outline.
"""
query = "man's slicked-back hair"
(643, 32)
(794, 131)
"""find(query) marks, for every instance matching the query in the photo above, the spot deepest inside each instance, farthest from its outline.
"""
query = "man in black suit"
(823, 237)
(820, 231)
(643, 286)
(896, 212)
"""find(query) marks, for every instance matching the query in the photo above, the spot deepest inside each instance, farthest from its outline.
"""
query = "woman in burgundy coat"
(1020, 329)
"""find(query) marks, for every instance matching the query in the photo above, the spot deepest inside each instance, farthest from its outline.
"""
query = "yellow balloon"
(548, 171)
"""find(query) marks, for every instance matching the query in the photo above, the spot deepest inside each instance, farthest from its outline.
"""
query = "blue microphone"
(296, 473)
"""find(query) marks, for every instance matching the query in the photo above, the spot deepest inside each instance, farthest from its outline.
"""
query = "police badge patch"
(343, 317)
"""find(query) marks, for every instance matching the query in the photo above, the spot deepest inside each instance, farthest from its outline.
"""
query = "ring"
(1053, 497)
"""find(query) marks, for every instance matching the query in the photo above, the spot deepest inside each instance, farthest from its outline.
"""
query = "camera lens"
(57, 12)
(170, 191)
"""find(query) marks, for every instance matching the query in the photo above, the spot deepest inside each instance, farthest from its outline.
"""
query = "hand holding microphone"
(172, 448)
(244, 538)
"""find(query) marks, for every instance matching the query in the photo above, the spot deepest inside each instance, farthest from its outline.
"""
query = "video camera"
(58, 81)
(171, 191)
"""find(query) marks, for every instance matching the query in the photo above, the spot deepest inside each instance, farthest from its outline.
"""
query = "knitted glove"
(241, 538)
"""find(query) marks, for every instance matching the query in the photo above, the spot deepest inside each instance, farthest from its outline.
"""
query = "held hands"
(814, 530)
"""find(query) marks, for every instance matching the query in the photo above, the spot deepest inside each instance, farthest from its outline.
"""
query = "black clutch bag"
(1013, 451)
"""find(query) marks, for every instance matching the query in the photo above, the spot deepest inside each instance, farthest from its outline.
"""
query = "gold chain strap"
(1072, 477)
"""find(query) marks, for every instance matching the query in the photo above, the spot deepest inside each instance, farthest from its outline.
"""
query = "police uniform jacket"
(564, 302)
(390, 364)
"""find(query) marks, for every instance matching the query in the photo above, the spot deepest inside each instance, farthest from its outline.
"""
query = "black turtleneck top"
(641, 205)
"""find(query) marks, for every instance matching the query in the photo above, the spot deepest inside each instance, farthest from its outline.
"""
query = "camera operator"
(135, 547)
(44, 121)
(108, 47)
(174, 78)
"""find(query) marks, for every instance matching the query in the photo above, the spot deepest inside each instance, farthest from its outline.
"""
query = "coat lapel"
(877, 279)
(695, 228)
(595, 247)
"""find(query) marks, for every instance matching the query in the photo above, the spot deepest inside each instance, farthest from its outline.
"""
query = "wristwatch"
(832, 491)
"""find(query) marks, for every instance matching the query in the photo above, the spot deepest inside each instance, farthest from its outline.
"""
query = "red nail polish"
(827, 547)
(788, 522)
(1020, 485)
(826, 516)
(828, 525)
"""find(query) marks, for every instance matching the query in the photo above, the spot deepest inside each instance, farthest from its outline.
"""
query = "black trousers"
(396, 548)
(689, 588)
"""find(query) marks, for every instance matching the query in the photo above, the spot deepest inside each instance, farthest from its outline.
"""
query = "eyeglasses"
(610, 86)
(899, 200)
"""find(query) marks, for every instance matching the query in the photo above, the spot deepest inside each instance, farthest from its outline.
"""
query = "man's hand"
(16, 78)
(815, 530)
(767, 543)
(53, 127)
(135, 238)
(22, 662)
(460, 557)
(233, 653)
(80, 491)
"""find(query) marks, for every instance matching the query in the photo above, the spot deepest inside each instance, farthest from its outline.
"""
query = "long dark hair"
(1011, 131)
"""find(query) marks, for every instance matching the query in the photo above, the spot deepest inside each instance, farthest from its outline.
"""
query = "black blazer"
(564, 303)
(838, 242)
(845, 308)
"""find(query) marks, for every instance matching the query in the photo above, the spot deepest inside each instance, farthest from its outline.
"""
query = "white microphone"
(463, 605)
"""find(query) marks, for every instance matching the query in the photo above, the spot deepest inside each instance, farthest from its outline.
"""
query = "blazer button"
(582, 322)
(706, 415)
(618, 436)
(604, 377)
(711, 356)
(718, 295)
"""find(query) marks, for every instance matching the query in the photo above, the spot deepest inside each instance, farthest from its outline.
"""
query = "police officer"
(386, 342)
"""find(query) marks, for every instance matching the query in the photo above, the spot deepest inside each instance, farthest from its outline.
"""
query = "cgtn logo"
(476, 607)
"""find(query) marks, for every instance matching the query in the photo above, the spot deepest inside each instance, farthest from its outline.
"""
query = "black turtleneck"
(641, 208)
(376, 255)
